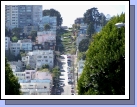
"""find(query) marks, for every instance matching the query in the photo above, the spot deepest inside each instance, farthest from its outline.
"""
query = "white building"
(43, 57)
(20, 75)
(15, 68)
(15, 48)
(11, 16)
(25, 44)
(18, 63)
(7, 43)
(36, 87)
(80, 67)
(30, 60)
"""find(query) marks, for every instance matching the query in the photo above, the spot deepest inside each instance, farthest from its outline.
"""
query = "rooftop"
(34, 81)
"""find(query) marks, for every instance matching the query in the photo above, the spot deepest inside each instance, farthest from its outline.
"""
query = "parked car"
(72, 86)
(72, 91)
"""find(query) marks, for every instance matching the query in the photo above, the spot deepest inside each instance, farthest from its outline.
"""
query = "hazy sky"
(70, 12)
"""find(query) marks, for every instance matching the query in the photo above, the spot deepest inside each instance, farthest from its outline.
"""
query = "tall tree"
(103, 20)
(16, 32)
(33, 35)
(104, 70)
(83, 45)
(90, 30)
(47, 27)
(53, 12)
(12, 87)
(92, 15)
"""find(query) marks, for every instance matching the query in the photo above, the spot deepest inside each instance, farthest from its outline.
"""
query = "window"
(45, 56)
(50, 56)
(27, 72)
(46, 60)
(27, 77)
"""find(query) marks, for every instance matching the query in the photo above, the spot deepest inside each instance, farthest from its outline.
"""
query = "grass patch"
(44, 70)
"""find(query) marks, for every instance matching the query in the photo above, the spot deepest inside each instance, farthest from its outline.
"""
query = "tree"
(92, 15)
(33, 34)
(103, 20)
(53, 12)
(12, 87)
(47, 27)
(90, 30)
(14, 39)
(28, 67)
(45, 66)
(16, 32)
(56, 72)
(82, 55)
(83, 45)
(104, 69)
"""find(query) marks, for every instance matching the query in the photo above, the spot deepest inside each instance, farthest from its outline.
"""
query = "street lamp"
(119, 25)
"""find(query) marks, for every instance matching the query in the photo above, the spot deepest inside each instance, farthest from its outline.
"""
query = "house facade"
(7, 43)
(18, 63)
(25, 44)
(15, 48)
(29, 61)
(47, 39)
(43, 57)
(20, 75)
(52, 21)
(29, 74)
(36, 87)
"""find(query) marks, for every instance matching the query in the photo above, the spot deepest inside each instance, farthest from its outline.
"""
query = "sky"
(70, 12)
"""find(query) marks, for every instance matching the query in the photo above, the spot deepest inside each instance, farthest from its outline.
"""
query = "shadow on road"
(62, 79)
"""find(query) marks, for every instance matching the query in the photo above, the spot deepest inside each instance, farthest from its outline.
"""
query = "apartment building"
(22, 15)
(36, 87)
(15, 48)
(37, 47)
(7, 43)
(25, 15)
(52, 21)
(11, 16)
(25, 44)
(43, 57)
(37, 14)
